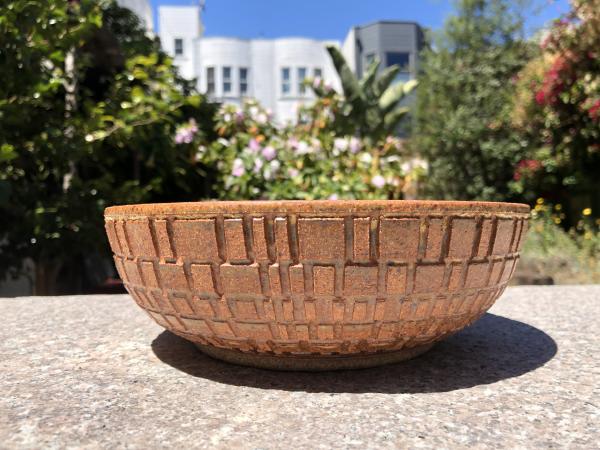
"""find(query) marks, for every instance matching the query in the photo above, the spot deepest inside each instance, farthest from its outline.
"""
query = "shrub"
(257, 159)
(571, 256)
(88, 107)
(558, 110)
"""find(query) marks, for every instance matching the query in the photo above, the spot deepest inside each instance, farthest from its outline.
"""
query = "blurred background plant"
(88, 107)
(557, 109)
(464, 108)
(310, 159)
(553, 254)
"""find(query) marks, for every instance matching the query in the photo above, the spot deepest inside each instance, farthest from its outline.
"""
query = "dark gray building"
(393, 42)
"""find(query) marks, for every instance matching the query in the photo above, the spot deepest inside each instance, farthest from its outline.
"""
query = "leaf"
(368, 80)
(393, 118)
(350, 84)
(385, 79)
(7, 153)
(395, 93)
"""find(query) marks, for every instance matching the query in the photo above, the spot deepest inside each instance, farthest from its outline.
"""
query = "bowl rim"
(314, 207)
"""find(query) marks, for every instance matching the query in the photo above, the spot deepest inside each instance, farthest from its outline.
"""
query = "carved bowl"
(316, 285)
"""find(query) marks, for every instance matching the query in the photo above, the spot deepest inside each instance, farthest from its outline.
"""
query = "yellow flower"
(558, 207)
(587, 211)
(540, 201)
(587, 235)
(557, 220)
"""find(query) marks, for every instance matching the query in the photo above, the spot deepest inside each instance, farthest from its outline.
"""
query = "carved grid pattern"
(297, 284)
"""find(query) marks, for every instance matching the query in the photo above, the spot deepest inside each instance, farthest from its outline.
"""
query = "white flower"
(262, 118)
(333, 197)
(293, 172)
(254, 110)
(258, 164)
(275, 165)
(365, 158)
(238, 168)
(227, 117)
(378, 181)
(340, 144)
(303, 148)
(224, 142)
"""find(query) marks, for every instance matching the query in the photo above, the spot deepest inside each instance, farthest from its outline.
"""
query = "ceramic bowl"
(316, 285)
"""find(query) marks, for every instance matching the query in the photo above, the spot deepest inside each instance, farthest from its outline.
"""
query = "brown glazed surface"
(316, 277)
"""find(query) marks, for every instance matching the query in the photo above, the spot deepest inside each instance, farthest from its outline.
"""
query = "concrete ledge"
(95, 371)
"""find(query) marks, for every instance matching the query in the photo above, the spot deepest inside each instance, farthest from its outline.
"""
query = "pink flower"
(185, 133)
(378, 181)
(238, 168)
(354, 145)
(254, 145)
(239, 116)
(333, 197)
(594, 111)
(540, 97)
(293, 172)
(269, 153)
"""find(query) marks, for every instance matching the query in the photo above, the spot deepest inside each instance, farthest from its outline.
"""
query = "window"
(178, 46)
(369, 58)
(401, 59)
(301, 78)
(210, 80)
(243, 81)
(318, 72)
(226, 80)
(285, 81)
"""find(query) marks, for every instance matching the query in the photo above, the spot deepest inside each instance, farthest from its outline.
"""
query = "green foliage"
(568, 256)
(463, 109)
(558, 109)
(88, 109)
(309, 160)
(372, 106)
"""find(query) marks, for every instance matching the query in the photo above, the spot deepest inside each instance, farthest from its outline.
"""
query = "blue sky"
(331, 19)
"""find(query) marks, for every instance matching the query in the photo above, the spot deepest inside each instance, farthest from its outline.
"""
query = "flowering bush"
(257, 159)
(558, 108)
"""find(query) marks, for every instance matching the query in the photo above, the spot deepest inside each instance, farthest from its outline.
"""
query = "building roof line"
(392, 22)
(303, 38)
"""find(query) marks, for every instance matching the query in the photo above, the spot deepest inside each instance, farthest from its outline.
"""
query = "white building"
(228, 69)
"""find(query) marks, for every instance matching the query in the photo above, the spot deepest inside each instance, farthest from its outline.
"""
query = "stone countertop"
(96, 372)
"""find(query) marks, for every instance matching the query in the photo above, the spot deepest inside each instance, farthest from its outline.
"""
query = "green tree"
(463, 108)
(373, 105)
(89, 106)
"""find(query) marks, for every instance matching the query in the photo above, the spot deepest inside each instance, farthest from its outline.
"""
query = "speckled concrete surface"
(96, 372)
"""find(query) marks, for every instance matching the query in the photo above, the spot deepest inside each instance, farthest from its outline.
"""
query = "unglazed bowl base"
(315, 363)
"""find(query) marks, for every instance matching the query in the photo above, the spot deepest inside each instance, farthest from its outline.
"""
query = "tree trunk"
(46, 277)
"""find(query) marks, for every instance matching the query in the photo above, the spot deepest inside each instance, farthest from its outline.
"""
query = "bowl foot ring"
(312, 363)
